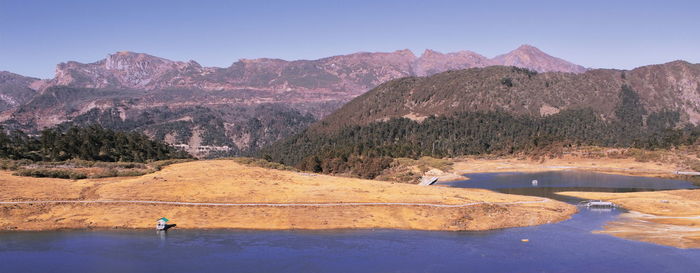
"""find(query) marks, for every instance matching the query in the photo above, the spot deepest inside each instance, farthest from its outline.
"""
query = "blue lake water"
(548, 183)
(568, 246)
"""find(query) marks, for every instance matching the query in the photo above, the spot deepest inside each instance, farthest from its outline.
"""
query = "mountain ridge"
(526, 56)
(15, 89)
(233, 110)
(501, 110)
(351, 73)
(671, 86)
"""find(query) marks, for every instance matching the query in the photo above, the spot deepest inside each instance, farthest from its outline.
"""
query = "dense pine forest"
(92, 143)
(365, 150)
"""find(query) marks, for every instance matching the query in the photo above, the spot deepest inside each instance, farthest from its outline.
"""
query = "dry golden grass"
(16, 188)
(624, 161)
(625, 166)
(224, 181)
(227, 182)
(664, 217)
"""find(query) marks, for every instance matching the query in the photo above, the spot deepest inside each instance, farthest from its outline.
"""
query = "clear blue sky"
(36, 35)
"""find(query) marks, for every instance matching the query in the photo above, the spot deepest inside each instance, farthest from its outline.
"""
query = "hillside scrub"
(480, 133)
(92, 143)
(256, 162)
(52, 173)
(408, 170)
(81, 169)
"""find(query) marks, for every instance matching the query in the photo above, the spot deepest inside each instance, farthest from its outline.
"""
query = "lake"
(568, 246)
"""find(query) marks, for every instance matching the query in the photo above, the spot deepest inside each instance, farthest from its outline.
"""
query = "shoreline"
(266, 202)
(670, 218)
(475, 217)
(627, 167)
(225, 194)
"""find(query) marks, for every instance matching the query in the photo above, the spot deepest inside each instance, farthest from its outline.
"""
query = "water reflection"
(602, 210)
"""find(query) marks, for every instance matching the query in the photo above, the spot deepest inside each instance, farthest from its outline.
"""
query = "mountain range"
(673, 86)
(501, 110)
(350, 74)
(232, 110)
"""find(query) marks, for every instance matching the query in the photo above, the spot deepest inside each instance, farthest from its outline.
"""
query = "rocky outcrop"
(15, 90)
(131, 70)
(433, 62)
(343, 75)
(530, 57)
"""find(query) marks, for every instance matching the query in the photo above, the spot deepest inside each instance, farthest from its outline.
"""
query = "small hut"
(162, 223)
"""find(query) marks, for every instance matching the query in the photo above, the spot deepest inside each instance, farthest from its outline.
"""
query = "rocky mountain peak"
(346, 74)
(432, 62)
(405, 52)
(15, 89)
(527, 48)
(530, 57)
(430, 52)
(7, 77)
(126, 70)
(126, 60)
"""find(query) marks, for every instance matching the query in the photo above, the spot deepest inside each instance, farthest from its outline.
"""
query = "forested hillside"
(86, 143)
(204, 124)
(673, 86)
(495, 110)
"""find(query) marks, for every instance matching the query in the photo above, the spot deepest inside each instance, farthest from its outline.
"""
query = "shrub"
(75, 163)
(437, 163)
(13, 165)
(645, 156)
(132, 172)
(616, 155)
(53, 173)
(122, 165)
(693, 164)
(507, 82)
(158, 165)
(256, 162)
(117, 172)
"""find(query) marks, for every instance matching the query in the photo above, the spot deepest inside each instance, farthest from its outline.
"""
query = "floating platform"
(597, 204)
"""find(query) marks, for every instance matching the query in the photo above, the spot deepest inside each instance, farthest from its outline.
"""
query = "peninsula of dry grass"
(664, 217)
(225, 181)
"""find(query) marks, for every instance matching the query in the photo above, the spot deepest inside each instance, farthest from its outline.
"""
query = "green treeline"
(92, 143)
(366, 150)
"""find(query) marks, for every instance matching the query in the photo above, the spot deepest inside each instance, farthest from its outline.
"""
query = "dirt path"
(268, 204)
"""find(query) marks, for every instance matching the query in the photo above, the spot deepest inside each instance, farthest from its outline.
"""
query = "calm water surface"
(568, 246)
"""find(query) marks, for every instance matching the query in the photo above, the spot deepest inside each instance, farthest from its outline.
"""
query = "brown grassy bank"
(623, 161)
(665, 217)
(225, 181)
